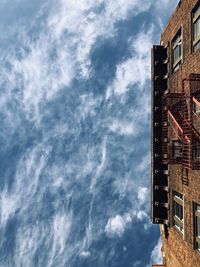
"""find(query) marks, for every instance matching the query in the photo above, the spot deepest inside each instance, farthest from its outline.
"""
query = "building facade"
(176, 136)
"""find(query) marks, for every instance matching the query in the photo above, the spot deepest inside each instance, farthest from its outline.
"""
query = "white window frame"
(177, 42)
(197, 216)
(195, 19)
(177, 221)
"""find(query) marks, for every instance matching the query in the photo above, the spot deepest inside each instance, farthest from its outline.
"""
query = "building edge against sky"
(176, 137)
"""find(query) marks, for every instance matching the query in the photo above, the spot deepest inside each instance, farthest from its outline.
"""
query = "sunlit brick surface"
(179, 250)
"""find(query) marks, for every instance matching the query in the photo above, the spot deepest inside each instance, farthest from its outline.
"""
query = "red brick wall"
(178, 249)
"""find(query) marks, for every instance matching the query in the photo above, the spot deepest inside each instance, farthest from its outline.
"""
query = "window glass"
(196, 27)
(197, 46)
(176, 149)
(178, 211)
(196, 151)
(196, 108)
(185, 172)
(177, 50)
(198, 226)
(177, 53)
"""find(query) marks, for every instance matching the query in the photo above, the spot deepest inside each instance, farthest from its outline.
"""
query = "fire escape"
(181, 125)
(175, 131)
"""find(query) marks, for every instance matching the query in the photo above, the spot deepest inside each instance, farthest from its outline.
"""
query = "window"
(196, 27)
(185, 173)
(177, 50)
(185, 179)
(197, 226)
(176, 149)
(197, 108)
(196, 150)
(178, 211)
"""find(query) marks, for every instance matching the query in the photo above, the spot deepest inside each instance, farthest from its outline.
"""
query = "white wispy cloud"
(85, 254)
(34, 71)
(28, 238)
(123, 127)
(26, 183)
(62, 49)
(61, 229)
(156, 255)
(135, 70)
(143, 194)
(144, 164)
(116, 225)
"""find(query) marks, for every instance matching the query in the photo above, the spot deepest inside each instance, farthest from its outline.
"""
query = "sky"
(75, 96)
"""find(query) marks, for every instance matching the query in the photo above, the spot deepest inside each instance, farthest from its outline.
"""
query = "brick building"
(176, 136)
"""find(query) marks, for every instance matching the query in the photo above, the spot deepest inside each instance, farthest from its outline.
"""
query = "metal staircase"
(181, 122)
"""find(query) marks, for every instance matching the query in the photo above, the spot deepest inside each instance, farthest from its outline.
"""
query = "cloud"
(31, 236)
(116, 225)
(141, 215)
(61, 228)
(62, 50)
(162, 17)
(85, 254)
(123, 127)
(80, 20)
(28, 238)
(25, 186)
(44, 65)
(144, 163)
(143, 194)
(88, 105)
(70, 161)
(135, 70)
(156, 255)
(38, 76)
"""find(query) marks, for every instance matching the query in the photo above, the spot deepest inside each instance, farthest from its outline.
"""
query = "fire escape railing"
(172, 127)
(181, 125)
(191, 93)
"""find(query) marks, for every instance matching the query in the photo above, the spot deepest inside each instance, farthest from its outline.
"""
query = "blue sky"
(75, 132)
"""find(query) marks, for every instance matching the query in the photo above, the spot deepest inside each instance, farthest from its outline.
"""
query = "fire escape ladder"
(187, 134)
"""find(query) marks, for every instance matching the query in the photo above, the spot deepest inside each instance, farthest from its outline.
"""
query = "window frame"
(177, 152)
(196, 217)
(196, 108)
(177, 42)
(195, 18)
(178, 223)
(185, 173)
(196, 151)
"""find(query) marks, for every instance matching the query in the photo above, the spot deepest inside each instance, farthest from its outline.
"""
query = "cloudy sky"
(75, 132)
